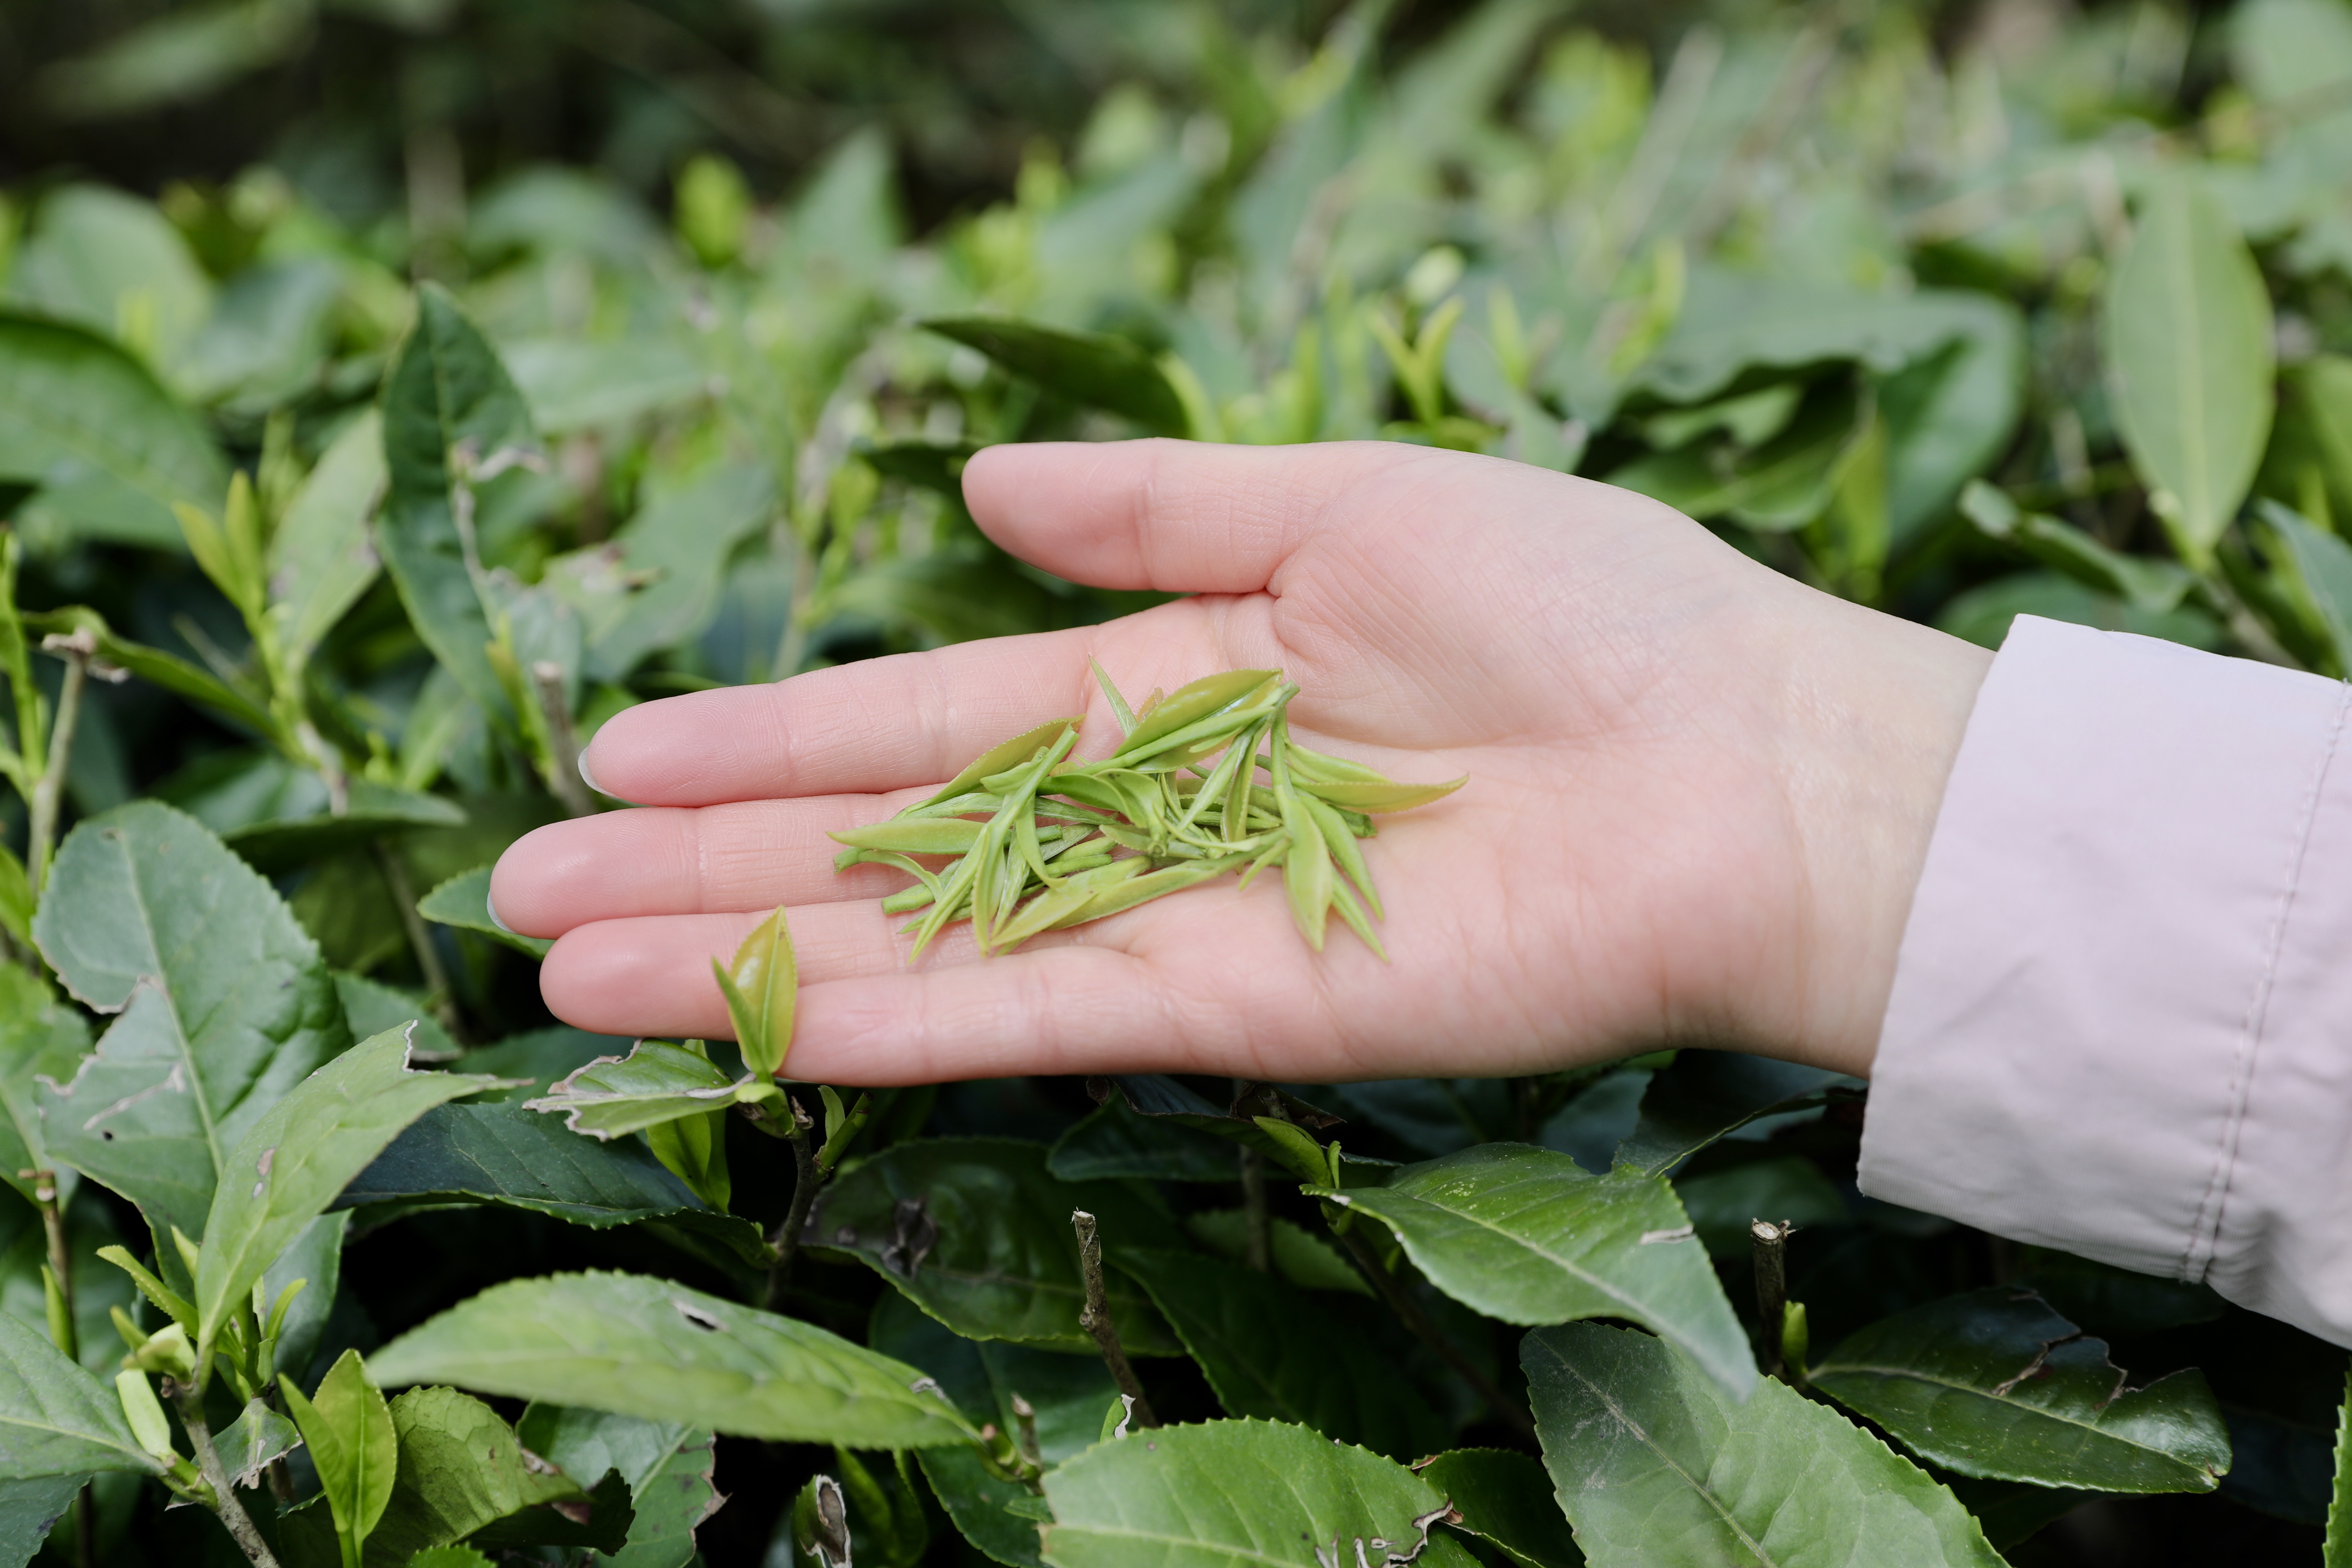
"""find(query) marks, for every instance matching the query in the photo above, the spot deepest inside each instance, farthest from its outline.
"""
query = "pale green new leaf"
(1528, 1235)
(289, 1167)
(2187, 339)
(643, 1347)
(460, 1467)
(110, 450)
(348, 1430)
(1655, 1467)
(2337, 1550)
(55, 1418)
(655, 1082)
(320, 559)
(39, 1039)
(762, 987)
(225, 1005)
(1228, 1494)
(1995, 1385)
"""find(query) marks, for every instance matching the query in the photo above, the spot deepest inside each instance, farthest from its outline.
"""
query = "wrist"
(1877, 709)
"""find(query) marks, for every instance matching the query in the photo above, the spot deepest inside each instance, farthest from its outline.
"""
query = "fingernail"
(585, 776)
(490, 908)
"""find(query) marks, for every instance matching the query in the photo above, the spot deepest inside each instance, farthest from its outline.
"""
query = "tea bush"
(333, 540)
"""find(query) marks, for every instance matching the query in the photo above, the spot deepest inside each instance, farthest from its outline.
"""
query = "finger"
(880, 724)
(1182, 516)
(665, 860)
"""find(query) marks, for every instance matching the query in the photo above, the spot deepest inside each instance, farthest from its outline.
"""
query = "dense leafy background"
(1958, 310)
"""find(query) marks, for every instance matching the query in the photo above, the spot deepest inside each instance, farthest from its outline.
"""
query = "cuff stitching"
(2204, 1234)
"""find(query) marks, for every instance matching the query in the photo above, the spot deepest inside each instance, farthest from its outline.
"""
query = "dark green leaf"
(1271, 1353)
(1792, 1190)
(643, 1347)
(1087, 368)
(55, 1418)
(516, 1158)
(667, 1467)
(1529, 1237)
(977, 1232)
(109, 448)
(1993, 1384)
(225, 1005)
(2110, 1301)
(538, 1056)
(1654, 1465)
(1114, 1142)
(39, 1039)
(1227, 1494)
(450, 411)
(29, 1510)
(464, 901)
(1505, 1498)
(371, 1008)
(1707, 1095)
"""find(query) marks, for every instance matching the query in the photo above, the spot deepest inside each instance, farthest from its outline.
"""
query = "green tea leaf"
(55, 1418)
(464, 901)
(1112, 1142)
(1003, 756)
(1380, 798)
(977, 1232)
(278, 813)
(39, 1039)
(1709, 1095)
(320, 560)
(1227, 1494)
(762, 986)
(2337, 1550)
(1307, 1260)
(667, 1464)
(29, 1510)
(450, 411)
(1993, 1384)
(2186, 333)
(1506, 1499)
(107, 446)
(292, 1162)
(643, 1347)
(1269, 1351)
(225, 1005)
(248, 1444)
(460, 1467)
(655, 1082)
(1087, 368)
(513, 1157)
(1528, 1235)
(1655, 1466)
(370, 1007)
(242, 708)
(348, 1430)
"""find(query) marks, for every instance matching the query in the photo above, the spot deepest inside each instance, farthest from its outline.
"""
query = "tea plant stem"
(1095, 1318)
(563, 741)
(806, 1180)
(49, 788)
(1770, 1242)
(1258, 1231)
(1025, 1418)
(438, 994)
(1410, 1314)
(53, 1222)
(232, 1512)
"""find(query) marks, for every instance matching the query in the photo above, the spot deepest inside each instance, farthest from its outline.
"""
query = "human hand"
(1700, 792)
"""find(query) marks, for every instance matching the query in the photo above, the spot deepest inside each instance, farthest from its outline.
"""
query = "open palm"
(1698, 797)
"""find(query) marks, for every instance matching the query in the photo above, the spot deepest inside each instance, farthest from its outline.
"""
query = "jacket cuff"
(2121, 1022)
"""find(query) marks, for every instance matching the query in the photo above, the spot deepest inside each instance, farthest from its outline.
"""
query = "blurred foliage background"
(1927, 303)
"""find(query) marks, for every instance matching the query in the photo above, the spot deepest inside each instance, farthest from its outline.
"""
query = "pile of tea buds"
(1206, 783)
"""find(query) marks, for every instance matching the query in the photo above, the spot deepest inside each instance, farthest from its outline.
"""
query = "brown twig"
(438, 994)
(1410, 1314)
(1095, 1318)
(232, 1511)
(1770, 1242)
(1258, 1228)
(806, 1180)
(563, 741)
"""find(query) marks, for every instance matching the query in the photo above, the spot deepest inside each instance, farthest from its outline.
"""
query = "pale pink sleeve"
(2122, 1019)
